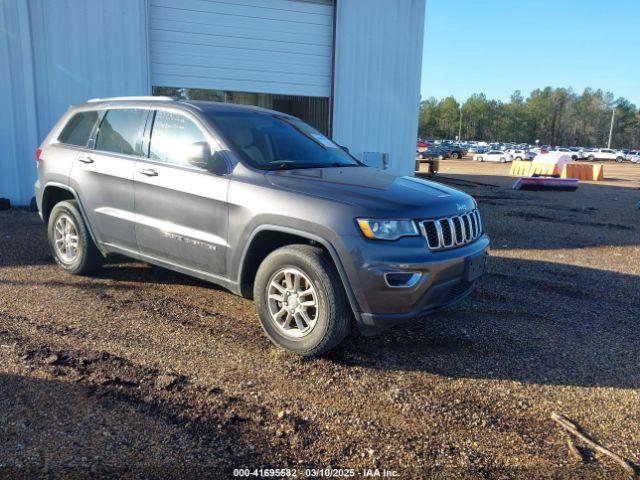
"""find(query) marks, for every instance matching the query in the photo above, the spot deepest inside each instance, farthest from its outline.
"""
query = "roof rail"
(146, 98)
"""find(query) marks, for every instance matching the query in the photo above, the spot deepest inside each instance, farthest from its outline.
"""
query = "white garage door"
(263, 46)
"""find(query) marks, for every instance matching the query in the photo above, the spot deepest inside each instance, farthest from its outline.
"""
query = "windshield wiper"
(294, 166)
(338, 164)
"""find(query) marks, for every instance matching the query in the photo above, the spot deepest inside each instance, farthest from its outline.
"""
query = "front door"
(181, 209)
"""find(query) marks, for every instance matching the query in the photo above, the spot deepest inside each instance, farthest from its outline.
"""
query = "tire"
(480, 159)
(591, 158)
(332, 319)
(440, 157)
(619, 159)
(503, 160)
(83, 256)
(455, 155)
(518, 159)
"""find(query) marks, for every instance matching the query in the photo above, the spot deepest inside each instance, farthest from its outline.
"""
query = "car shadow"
(122, 270)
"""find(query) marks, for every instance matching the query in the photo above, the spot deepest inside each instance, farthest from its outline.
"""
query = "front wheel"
(455, 156)
(480, 159)
(619, 159)
(503, 160)
(71, 244)
(591, 158)
(300, 300)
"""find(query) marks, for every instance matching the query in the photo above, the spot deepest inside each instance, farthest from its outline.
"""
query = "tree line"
(554, 116)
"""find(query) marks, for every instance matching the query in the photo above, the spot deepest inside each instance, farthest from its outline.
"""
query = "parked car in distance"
(477, 149)
(634, 158)
(493, 156)
(518, 154)
(431, 152)
(456, 152)
(631, 154)
(585, 152)
(574, 155)
(262, 204)
(604, 154)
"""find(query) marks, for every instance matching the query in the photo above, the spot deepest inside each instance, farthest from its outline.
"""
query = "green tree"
(556, 116)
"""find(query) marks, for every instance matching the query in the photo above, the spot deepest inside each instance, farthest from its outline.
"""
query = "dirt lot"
(138, 371)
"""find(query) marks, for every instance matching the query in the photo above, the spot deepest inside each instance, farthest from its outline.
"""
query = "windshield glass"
(274, 142)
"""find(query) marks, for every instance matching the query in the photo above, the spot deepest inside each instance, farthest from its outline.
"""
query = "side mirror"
(218, 164)
(345, 148)
(199, 155)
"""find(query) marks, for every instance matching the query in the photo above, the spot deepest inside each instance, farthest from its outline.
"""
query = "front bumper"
(444, 279)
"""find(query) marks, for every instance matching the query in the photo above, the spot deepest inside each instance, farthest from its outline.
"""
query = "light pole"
(613, 115)
(460, 127)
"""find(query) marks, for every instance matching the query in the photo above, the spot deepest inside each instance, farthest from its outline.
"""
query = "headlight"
(387, 229)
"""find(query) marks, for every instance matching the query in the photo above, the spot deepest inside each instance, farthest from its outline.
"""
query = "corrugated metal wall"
(57, 53)
(275, 46)
(377, 77)
(18, 131)
(54, 53)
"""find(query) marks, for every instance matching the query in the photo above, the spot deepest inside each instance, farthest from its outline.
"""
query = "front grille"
(447, 231)
(451, 232)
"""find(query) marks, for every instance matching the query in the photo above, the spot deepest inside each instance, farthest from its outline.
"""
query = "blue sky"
(498, 46)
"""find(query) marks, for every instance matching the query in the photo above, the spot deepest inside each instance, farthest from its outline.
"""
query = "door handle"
(149, 172)
(85, 159)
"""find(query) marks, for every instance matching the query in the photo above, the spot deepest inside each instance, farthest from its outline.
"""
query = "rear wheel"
(300, 300)
(519, 159)
(503, 160)
(455, 155)
(480, 159)
(591, 158)
(619, 159)
(71, 244)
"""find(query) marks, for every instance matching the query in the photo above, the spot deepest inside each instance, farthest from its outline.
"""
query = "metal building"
(349, 67)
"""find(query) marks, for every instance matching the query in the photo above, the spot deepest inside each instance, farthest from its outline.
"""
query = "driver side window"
(171, 136)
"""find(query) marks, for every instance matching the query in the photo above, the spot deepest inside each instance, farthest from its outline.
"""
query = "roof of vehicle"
(202, 105)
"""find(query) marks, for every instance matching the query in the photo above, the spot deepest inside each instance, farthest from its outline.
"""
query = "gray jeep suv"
(262, 204)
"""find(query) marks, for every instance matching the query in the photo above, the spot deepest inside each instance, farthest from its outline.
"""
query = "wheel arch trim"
(353, 302)
(80, 207)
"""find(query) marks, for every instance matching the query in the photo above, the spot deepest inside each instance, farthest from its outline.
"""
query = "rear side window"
(171, 136)
(120, 131)
(78, 129)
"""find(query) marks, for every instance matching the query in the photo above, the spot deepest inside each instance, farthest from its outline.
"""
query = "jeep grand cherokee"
(262, 204)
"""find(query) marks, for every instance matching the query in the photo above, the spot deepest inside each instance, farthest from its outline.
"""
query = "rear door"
(103, 175)
(181, 209)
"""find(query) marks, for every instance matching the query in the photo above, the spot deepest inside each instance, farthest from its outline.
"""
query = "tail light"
(38, 153)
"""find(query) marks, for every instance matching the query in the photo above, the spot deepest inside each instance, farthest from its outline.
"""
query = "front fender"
(328, 241)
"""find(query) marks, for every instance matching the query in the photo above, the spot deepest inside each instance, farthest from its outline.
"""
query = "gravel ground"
(141, 372)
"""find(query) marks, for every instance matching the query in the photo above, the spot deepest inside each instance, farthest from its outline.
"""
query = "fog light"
(402, 279)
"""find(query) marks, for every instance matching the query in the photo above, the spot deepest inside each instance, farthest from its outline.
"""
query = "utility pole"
(460, 127)
(613, 115)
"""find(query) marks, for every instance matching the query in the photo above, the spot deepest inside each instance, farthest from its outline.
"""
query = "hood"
(376, 192)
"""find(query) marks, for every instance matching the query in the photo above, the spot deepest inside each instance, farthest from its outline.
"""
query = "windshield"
(270, 141)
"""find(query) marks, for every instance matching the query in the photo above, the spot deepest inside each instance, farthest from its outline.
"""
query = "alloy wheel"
(292, 302)
(66, 239)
